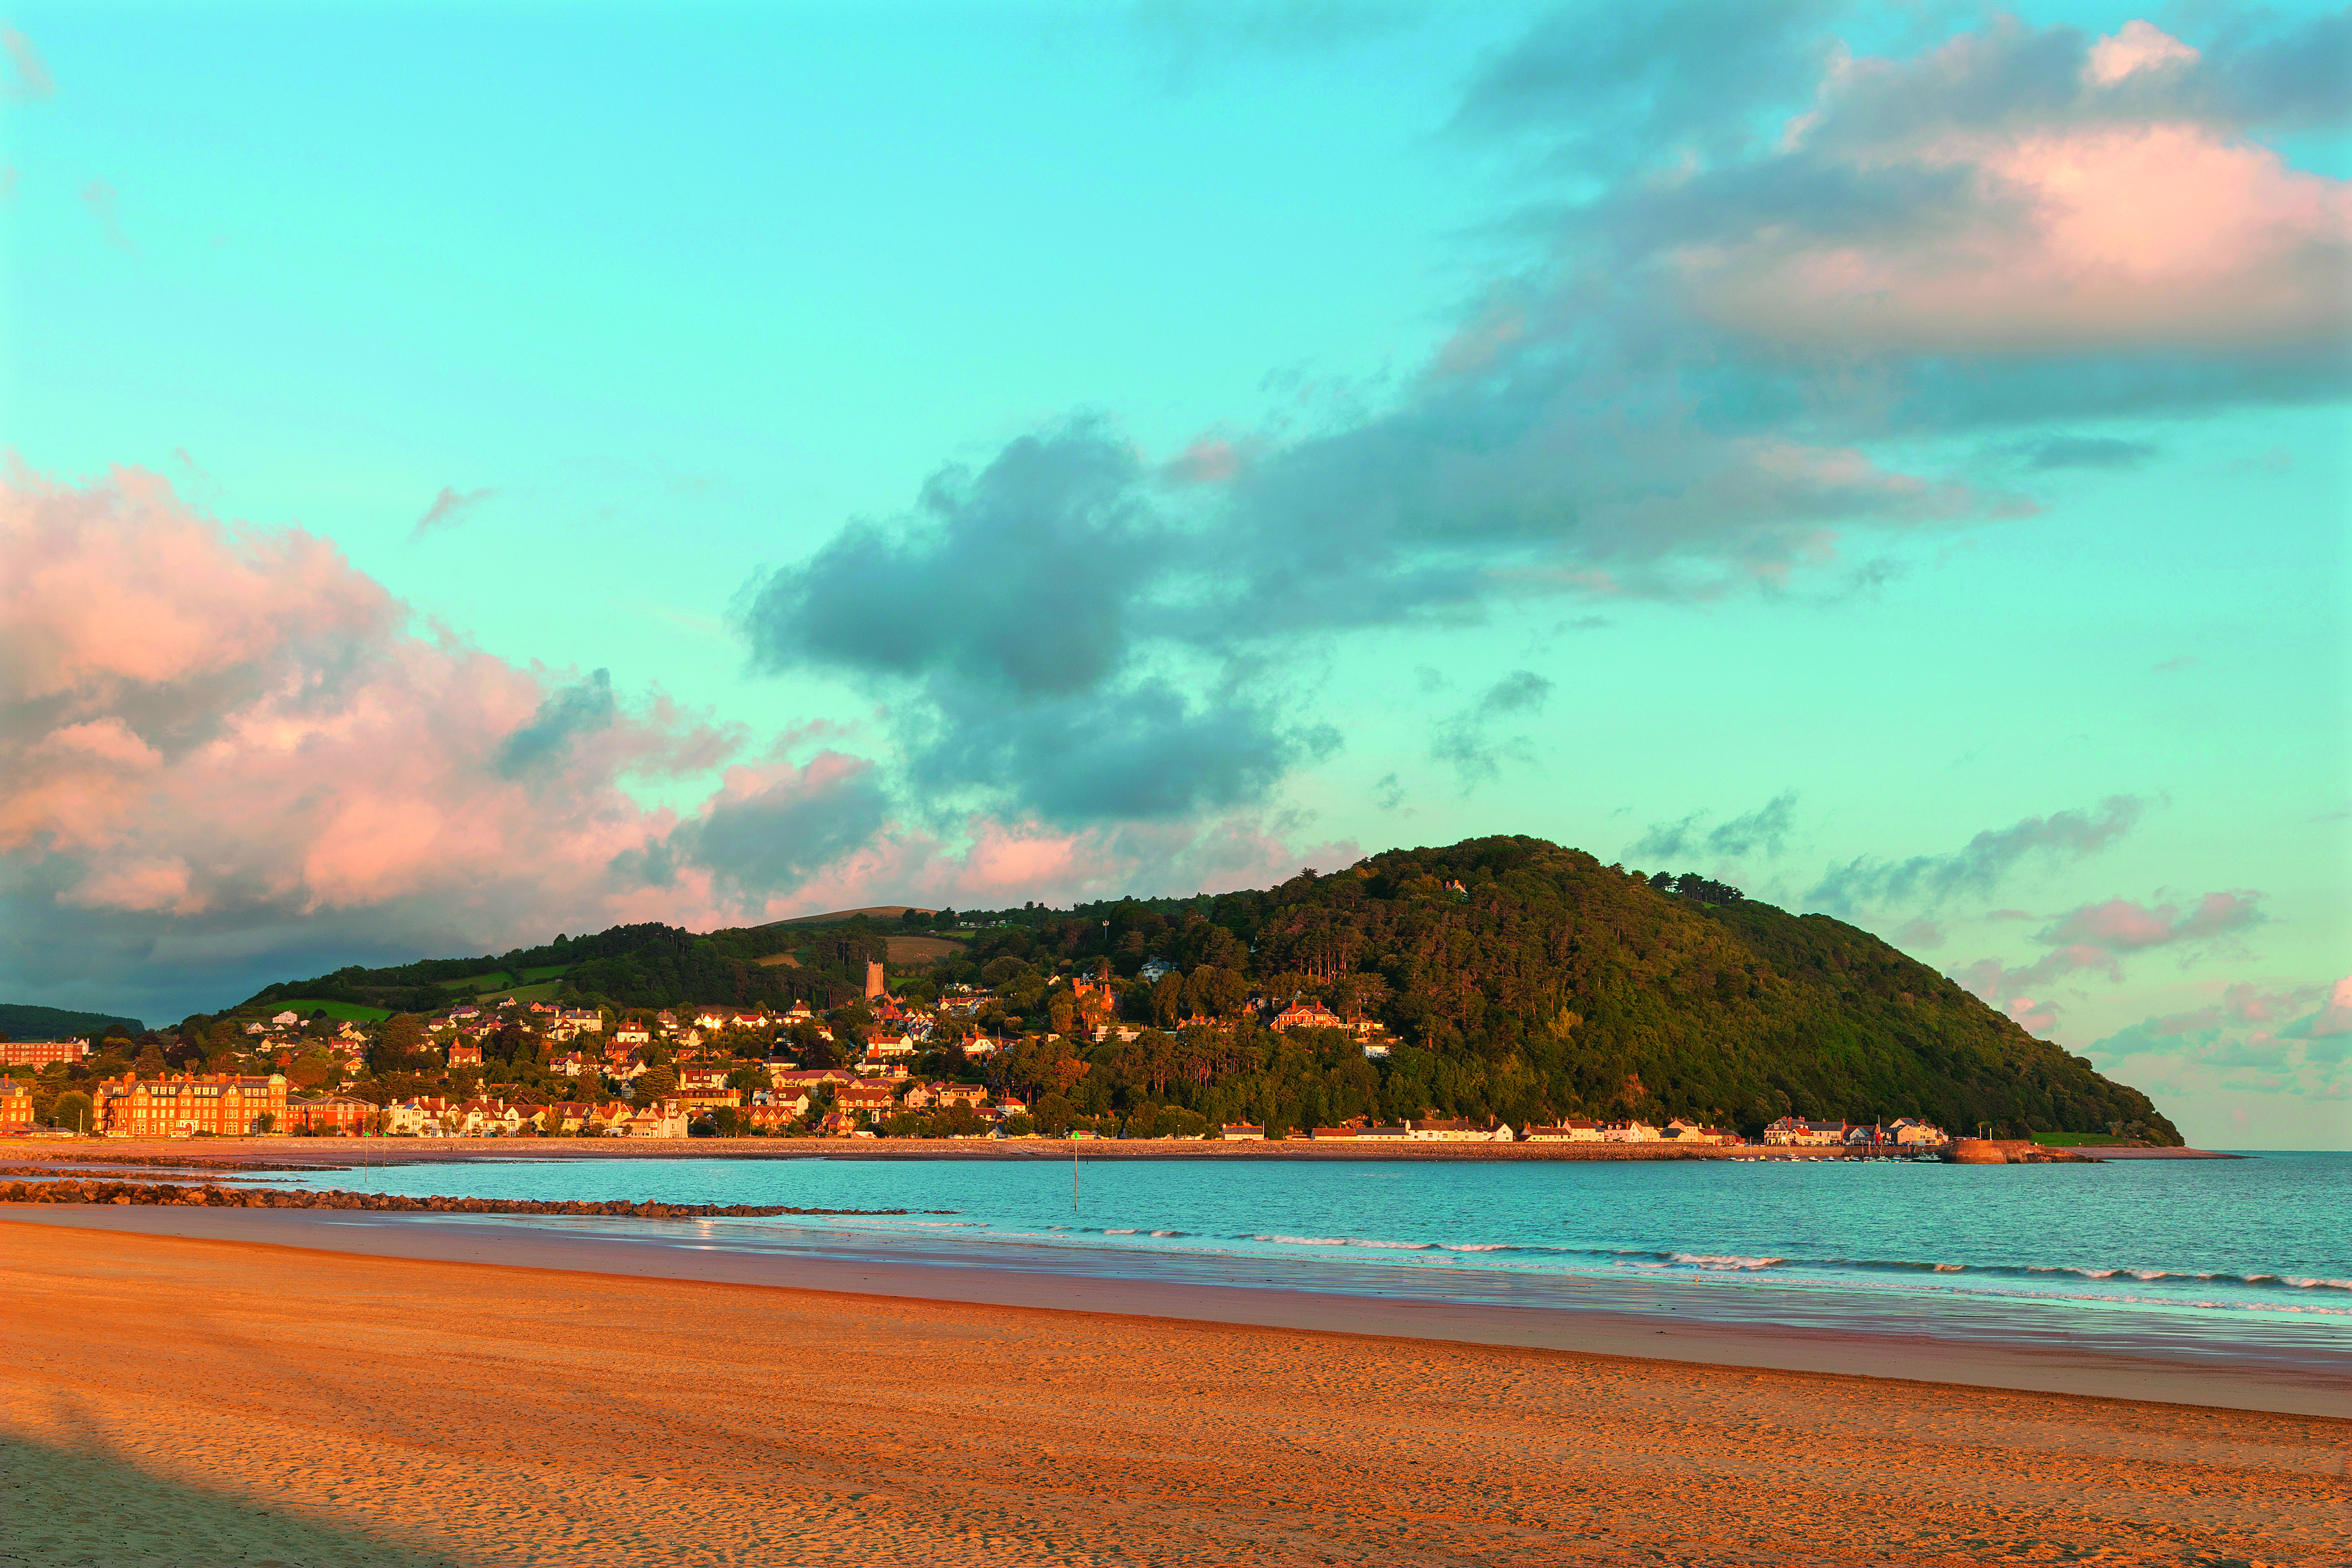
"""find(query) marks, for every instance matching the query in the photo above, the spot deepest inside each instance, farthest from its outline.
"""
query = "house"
(777, 1115)
(873, 1099)
(1910, 1130)
(1152, 971)
(491, 1119)
(632, 1032)
(891, 1045)
(1306, 1015)
(1011, 1105)
(1456, 1131)
(667, 1120)
(1376, 1050)
(1865, 1135)
(876, 1068)
(340, 1115)
(287, 1019)
(1795, 1129)
(587, 1018)
(666, 1021)
(1629, 1132)
(809, 1078)
(1242, 1132)
(16, 1107)
(703, 1077)
(1565, 1132)
(181, 1106)
(565, 1116)
(697, 1101)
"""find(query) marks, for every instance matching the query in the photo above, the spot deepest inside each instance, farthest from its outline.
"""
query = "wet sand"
(680, 1249)
(186, 1401)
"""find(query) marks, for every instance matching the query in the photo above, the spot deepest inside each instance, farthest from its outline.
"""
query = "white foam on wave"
(1725, 1260)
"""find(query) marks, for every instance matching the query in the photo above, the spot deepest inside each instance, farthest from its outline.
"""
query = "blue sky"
(999, 452)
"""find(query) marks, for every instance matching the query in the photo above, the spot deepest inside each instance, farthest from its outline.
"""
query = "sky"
(478, 472)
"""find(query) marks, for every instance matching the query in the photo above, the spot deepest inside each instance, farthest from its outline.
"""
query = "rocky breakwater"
(211, 1195)
(2010, 1151)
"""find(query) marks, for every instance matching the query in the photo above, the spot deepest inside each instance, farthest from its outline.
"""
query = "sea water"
(2221, 1258)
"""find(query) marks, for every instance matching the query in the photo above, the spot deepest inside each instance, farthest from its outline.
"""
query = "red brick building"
(41, 1053)
(327, 1114)
(16, 1107)
(181, 1105)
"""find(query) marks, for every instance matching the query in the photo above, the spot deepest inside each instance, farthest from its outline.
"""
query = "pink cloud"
(2099, 223)
(2137, 46)
(2335, 1018)
(2120, 925)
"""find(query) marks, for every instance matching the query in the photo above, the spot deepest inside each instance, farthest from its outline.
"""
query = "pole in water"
(1074, 1173)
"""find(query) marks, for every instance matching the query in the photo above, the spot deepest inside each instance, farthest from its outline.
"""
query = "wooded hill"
(1522, 980)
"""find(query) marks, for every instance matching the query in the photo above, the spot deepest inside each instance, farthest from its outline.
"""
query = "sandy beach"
(198, 1401)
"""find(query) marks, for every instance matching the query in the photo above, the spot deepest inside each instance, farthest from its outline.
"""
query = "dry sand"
(193, 1401)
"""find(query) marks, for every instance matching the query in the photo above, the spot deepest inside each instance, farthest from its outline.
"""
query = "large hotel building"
(181, 1106)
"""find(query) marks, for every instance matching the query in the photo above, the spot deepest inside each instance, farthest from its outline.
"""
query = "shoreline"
(2298, 1389)
(341, 1153)
(318, 1407)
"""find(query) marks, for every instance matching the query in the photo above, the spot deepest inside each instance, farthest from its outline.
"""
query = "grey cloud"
(1024, 607)
(1609, 84)
(1980, 865)
(1132, 749)
(771, 842)
(449, 507)
(1466, 739)
(1766, 828)
(562, 714)
(2087, 452)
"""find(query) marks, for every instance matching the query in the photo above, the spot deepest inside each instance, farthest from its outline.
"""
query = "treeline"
(1529, 982)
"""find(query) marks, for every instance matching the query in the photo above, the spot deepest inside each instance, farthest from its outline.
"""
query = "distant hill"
(22, 1021)
(1521, 980)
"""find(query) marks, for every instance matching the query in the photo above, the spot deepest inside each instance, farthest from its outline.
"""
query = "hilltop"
(1519, 979)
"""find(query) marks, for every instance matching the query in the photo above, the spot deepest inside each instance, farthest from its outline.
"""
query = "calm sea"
(2202, 1259)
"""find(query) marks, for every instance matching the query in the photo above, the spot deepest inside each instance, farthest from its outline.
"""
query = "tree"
(71, 1110)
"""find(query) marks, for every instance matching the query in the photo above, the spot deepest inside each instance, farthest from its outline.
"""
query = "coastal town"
(886, 1067)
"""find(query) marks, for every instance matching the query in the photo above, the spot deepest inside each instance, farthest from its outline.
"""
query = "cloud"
(1766, 828)
(1782, 276)
(1980, 866)
(1921, 933)
(2088, 452)
(2293, 1040)
(2095, 938)
(1466, 739)
(449, 508)
(98, 197)
(563, 713)
(2121, 926)
(227, 756)
(1034, 613)
(31, 78)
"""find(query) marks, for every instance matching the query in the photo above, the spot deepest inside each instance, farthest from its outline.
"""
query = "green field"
(473, 985)
(339, 1010)
(546, 971)
(542, 992)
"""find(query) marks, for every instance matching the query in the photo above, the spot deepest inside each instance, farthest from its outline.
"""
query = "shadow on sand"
(82, 1508)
